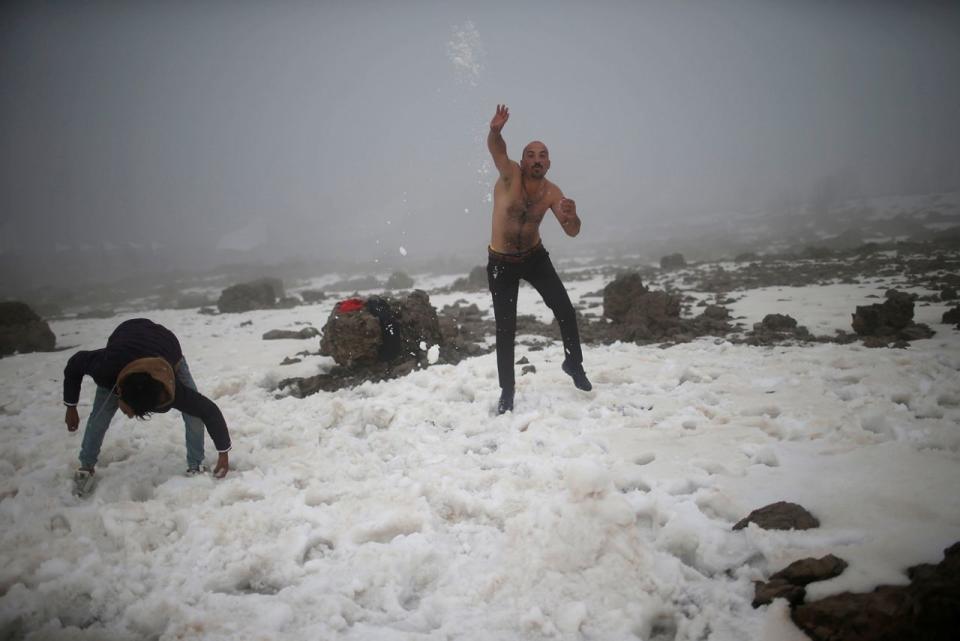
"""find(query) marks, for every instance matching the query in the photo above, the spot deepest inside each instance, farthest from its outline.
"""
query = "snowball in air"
(403, 250)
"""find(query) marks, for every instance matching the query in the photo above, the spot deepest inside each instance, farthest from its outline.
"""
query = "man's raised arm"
(495, 143)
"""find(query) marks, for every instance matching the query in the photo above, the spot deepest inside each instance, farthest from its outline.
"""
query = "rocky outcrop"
(928, 609)
(952, 316)
(245, 297)
(673, 261)
(889, 322)
(374, 339)
(22, 330)
(781, 515)
(789, 583)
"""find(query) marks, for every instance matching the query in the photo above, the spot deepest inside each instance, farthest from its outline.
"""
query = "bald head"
(535, 145)
(535, 160)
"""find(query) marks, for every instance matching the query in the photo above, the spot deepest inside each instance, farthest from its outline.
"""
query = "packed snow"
(407, 509)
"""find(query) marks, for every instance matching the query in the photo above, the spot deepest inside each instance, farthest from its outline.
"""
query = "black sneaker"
(506, 401)
(578, 375)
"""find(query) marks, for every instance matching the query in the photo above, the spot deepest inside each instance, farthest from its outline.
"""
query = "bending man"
(521, 198)
(141, 371)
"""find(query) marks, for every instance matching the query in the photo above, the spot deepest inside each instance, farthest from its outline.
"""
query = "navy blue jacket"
(140, 338)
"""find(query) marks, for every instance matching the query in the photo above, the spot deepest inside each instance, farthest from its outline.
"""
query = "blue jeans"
(105, 406)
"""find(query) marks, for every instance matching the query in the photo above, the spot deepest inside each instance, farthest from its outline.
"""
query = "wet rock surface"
(781, 515)
(928, 609)
(22, 330)
(789, 582)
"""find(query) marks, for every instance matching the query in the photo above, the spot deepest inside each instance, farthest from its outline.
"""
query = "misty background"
(144, 137)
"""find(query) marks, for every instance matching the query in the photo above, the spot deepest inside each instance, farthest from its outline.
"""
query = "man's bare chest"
(520, 211)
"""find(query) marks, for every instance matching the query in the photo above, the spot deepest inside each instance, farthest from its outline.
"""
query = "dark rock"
(951, 316)
(351, 338)
(621, 295)
(778, 323)
(716, 312)
(806, 571)
(788, 583)
(277, 334)
(474, 281)
(884, 319)
(290, 361)
(311, 296)
(780, 516)
(948, 293)
(244, 297)
(399, 280)
(357, 339)
(523, 361)
(746, 257)
(928, 609)
(208, 311)
(673, 261)
(22, 330)
(528, 369)
(765, 593)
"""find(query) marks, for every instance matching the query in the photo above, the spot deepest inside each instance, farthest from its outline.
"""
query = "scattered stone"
(948, 293)
(246, 323)
(523, 361)
(806, 571)
(952, 316)
(22, 330)
(476, 280)
(311, 296)
(528, 369)
(278, 334)
(399, 280)
(208, 311)
(778, 323)
(289, 360)
(928, 609)
(780, 516)
(673, 261)
(244, 297)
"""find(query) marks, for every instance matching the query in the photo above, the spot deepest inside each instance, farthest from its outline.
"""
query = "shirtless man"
(521, 198)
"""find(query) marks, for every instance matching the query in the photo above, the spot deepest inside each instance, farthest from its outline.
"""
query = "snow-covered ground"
(408, 510)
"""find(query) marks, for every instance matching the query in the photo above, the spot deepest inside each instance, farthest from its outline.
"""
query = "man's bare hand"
(223, 466)
(568, 207)
(500, 118)
(72, 419)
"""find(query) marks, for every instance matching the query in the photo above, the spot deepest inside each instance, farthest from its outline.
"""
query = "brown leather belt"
(518, 257)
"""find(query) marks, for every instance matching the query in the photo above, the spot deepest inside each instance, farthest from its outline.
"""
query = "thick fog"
(179, 135)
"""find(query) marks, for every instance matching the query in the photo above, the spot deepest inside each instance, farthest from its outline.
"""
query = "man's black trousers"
(504, 272)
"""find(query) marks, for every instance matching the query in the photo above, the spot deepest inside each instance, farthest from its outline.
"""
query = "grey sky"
(338, 125)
